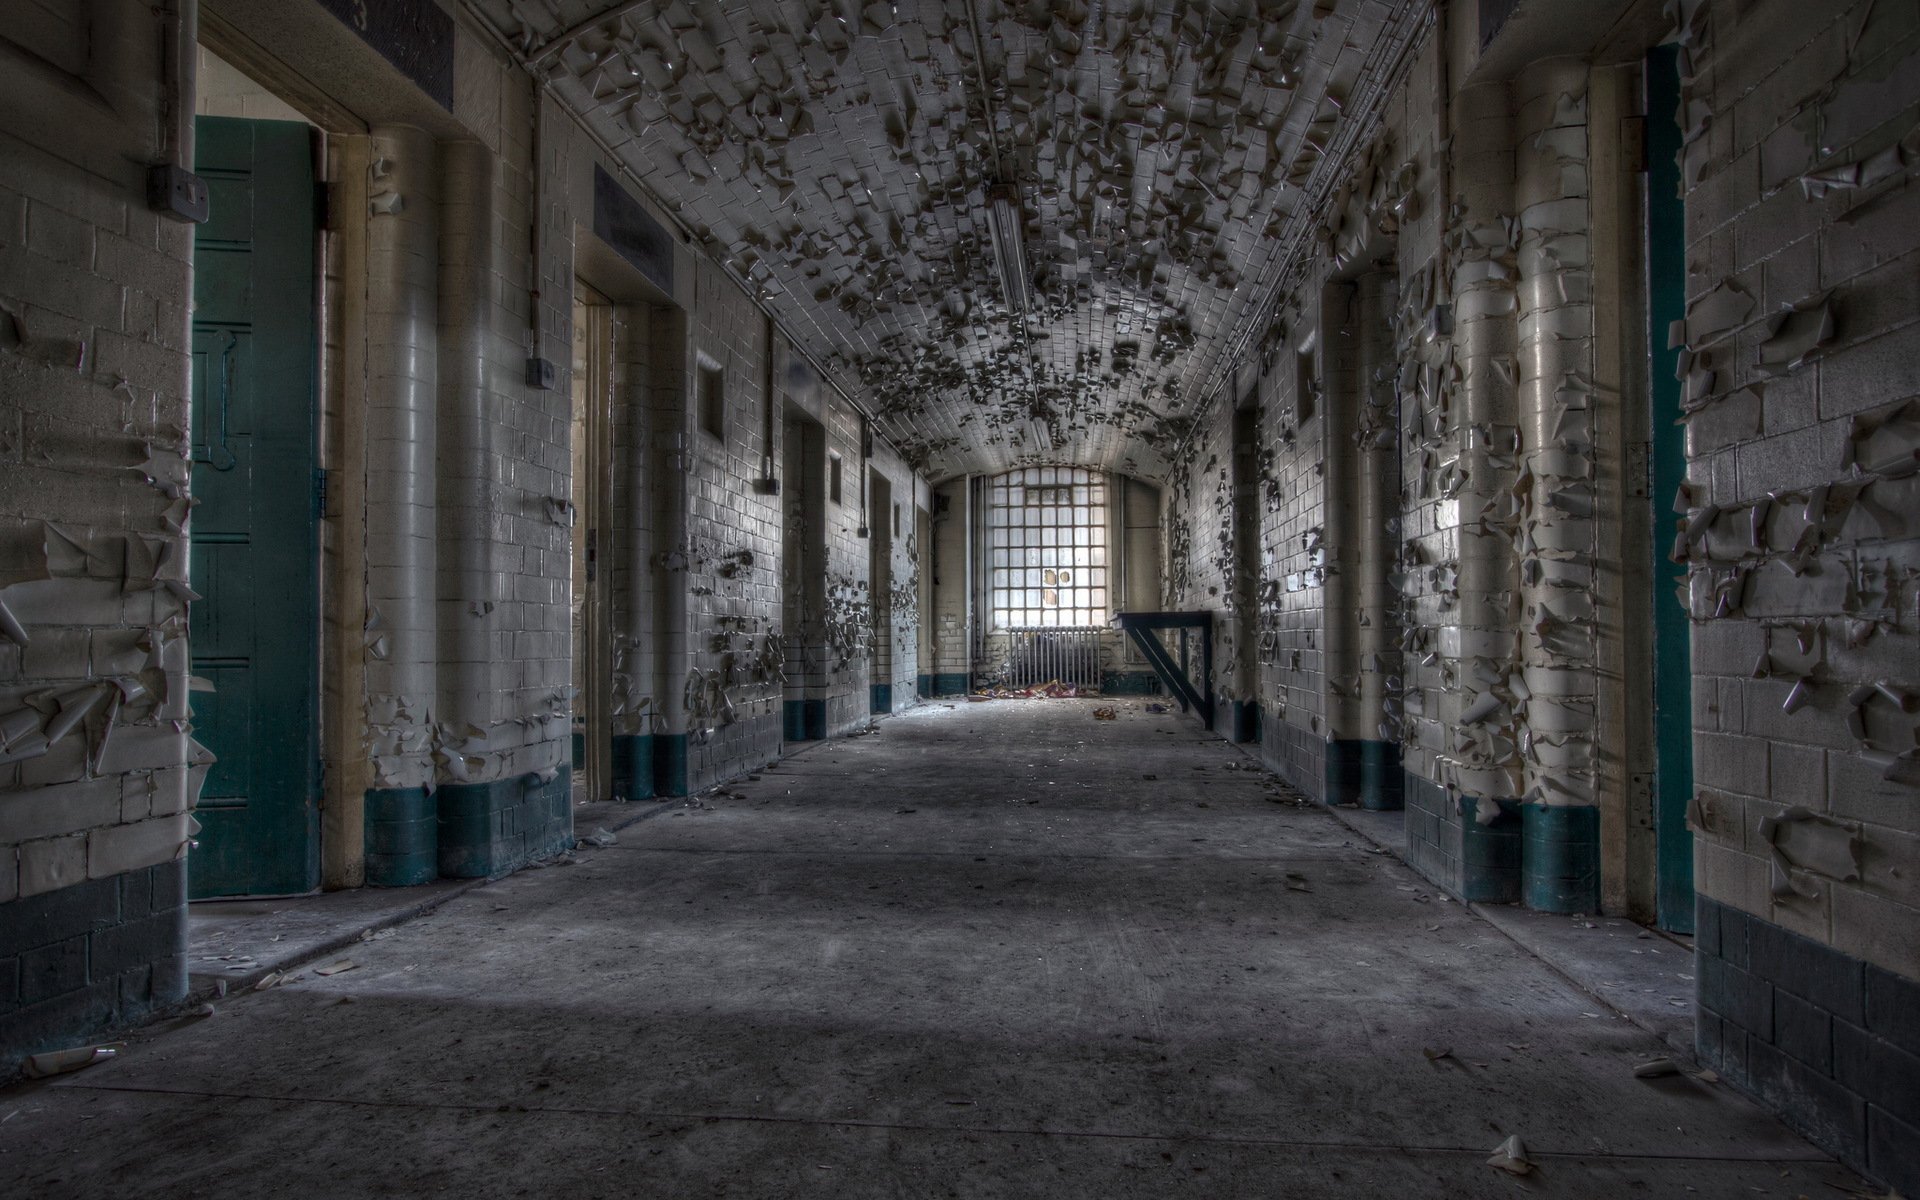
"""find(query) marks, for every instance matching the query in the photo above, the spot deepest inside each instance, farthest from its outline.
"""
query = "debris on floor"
(1434, 1055)
(1157, 707)
(1105, 714)
(60, 1062)
(1053, 689)
(599, 837)
(1511, 1156)
(337, 968)
(1656, 1068)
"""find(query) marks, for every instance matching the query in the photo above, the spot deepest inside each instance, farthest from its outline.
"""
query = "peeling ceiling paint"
(838, 158)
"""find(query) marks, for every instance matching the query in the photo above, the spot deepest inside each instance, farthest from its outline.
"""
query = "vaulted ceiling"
(840, 158)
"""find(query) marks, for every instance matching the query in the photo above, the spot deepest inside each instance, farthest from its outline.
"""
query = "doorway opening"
(803, 576)
(881, 518)
(1244, 725)
(591, 500)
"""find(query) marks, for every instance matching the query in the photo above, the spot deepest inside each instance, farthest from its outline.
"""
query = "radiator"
(1039, 656)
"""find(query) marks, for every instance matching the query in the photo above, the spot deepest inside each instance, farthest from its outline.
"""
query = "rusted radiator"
(1040, 655)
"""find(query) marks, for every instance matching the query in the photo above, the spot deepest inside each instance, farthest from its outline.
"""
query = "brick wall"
(94, 774)
(1798, 210)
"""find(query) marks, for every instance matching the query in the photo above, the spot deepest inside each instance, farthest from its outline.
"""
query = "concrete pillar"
(629, 557)
(1339, 365)
(1375, 540)
(1361, 639)
(1560, 857)
(401, 635)
(471, 577)
(672, 559)
(1471, 806)
(503, 797)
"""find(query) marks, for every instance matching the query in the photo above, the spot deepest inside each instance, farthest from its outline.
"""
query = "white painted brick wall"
(93, 383)
(1793, 89)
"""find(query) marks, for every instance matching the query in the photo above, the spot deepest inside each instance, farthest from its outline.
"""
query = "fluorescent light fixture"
(1007, 229)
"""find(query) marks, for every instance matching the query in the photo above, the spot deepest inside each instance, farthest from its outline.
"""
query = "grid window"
(1047, 548)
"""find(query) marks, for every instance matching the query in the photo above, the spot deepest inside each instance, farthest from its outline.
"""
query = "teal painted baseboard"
(487, 828)
(669, 764)
(1366, 772)
(951, 683)
(1129, 683)
(633, 766)
(1448, 843)
(1245, 721)
(879, 697)
(923, 686)
(1560, 858)
(402, 830)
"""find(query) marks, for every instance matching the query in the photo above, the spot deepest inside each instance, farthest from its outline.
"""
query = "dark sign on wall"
(622, 223)
(416, 36)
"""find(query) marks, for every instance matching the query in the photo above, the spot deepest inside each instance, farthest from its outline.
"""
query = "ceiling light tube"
(1007, 229)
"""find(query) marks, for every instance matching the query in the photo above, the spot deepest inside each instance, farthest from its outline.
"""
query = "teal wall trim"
(879, 697)
(1294, 754)
(633, 766)
(950, 683)
(579, 750)
(923, 686)
(669, 764)
(1130, 683)
(1365, 772)
(1560, 858)
(1452, 848)
(1381, 784)
(92, 955)
(1246, 721)
(402, 828)
(487, 828)
(1828, 1041)
(816, 720)
(1343, 772)
(793, 721)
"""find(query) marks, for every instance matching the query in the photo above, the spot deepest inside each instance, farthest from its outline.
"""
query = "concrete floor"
(992, 950)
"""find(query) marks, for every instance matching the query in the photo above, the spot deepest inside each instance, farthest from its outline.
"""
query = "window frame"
(1048, 562)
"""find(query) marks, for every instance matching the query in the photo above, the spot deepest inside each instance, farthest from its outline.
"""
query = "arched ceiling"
(839, 159)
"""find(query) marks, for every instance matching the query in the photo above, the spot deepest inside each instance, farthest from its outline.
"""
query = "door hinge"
(320, 493)
(1639, 470)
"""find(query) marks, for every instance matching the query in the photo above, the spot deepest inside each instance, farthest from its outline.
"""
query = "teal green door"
(1672, 636)
(254, 561)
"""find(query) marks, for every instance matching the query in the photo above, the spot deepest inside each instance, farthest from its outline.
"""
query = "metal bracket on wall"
(1144, 629)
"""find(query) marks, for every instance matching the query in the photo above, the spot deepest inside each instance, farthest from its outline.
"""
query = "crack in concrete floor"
(797, 992)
